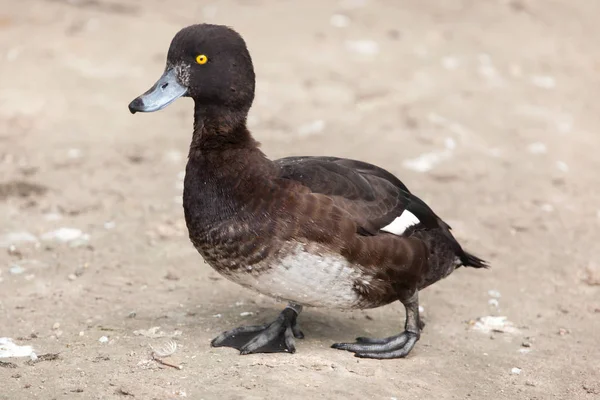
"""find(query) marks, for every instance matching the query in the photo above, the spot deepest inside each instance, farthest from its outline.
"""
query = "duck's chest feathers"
(306, 274)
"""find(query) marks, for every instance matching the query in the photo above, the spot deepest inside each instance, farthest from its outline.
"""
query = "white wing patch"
(402, 223)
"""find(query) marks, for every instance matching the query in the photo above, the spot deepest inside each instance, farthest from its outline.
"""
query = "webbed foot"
(397, 346)
(275, 337)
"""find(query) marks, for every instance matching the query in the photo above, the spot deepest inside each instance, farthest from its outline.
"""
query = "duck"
(310, 231)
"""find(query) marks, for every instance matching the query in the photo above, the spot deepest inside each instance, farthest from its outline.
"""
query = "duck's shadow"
(316, 323)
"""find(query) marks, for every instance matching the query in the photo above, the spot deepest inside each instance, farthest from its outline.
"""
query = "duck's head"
(209, 63)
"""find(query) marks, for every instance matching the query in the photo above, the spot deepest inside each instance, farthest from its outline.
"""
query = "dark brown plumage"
(309, 230)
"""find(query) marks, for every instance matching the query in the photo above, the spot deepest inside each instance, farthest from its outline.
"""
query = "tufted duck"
(313, 231)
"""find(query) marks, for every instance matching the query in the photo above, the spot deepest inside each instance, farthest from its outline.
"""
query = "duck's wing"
(371, 196)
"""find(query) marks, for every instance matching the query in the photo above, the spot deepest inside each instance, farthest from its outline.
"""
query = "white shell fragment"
(66, 235)
(9, 349)
(490, 324)
(15, 238)
(167, 349)
(339, 21)
(364, 47)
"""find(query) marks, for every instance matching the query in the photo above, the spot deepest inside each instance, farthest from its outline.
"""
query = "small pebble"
(311, 128)
(547, 207)
(339, 21)
(562, 166)
(72, 277)
(13, 251)
(246, 314)
(16, 270)
(55, 326)
(544, 82)
(563, 331)
(365, 47)
(217, 316)
(103, 339)
(81, 333)
(537, 148)
(74, 153)
(450, 63)
(493, 302)
(515, 371)
(109, 225)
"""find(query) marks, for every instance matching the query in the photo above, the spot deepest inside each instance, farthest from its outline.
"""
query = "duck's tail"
(469, 260)
(429, 219)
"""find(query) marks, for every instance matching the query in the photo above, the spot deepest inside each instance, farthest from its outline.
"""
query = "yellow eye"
(201, 59)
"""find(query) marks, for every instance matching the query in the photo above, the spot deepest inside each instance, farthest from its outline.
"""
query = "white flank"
(9, 349)
(311, 277)
(402, 223)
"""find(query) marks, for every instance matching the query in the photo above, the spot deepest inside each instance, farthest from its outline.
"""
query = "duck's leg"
(275, 337)
(397, 346)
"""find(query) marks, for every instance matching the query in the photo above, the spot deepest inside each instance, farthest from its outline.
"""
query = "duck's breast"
(307, 274)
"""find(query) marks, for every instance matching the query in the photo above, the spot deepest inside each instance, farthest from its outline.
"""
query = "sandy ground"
(486, 109)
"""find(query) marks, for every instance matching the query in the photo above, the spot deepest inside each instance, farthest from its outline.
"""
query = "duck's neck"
(225, 167)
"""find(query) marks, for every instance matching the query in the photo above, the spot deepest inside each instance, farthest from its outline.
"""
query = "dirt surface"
(486, 109)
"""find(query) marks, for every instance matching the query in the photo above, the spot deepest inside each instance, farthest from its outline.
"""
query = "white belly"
(312, 278)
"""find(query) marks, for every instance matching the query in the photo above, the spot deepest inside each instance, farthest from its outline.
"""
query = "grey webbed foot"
(392, 347)
(275, 337)
(397, 346)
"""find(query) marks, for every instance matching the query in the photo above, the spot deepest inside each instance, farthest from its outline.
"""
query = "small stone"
(74, 153)
(339, 21)
(81, 333)
(562, 166)
(450, 63)
(72, 277)
(544, 82)
(109, 225)
(537, 148)
(364, 47)
(171, 276)
(13, 251)
(311, 128)
(563, 331)
(493, 302)
(103, 339)
(515, 371)
(246, 314)
(547, 207)
(55, 326)
(16, 270)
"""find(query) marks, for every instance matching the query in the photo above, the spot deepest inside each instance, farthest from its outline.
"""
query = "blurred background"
(485, 109)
